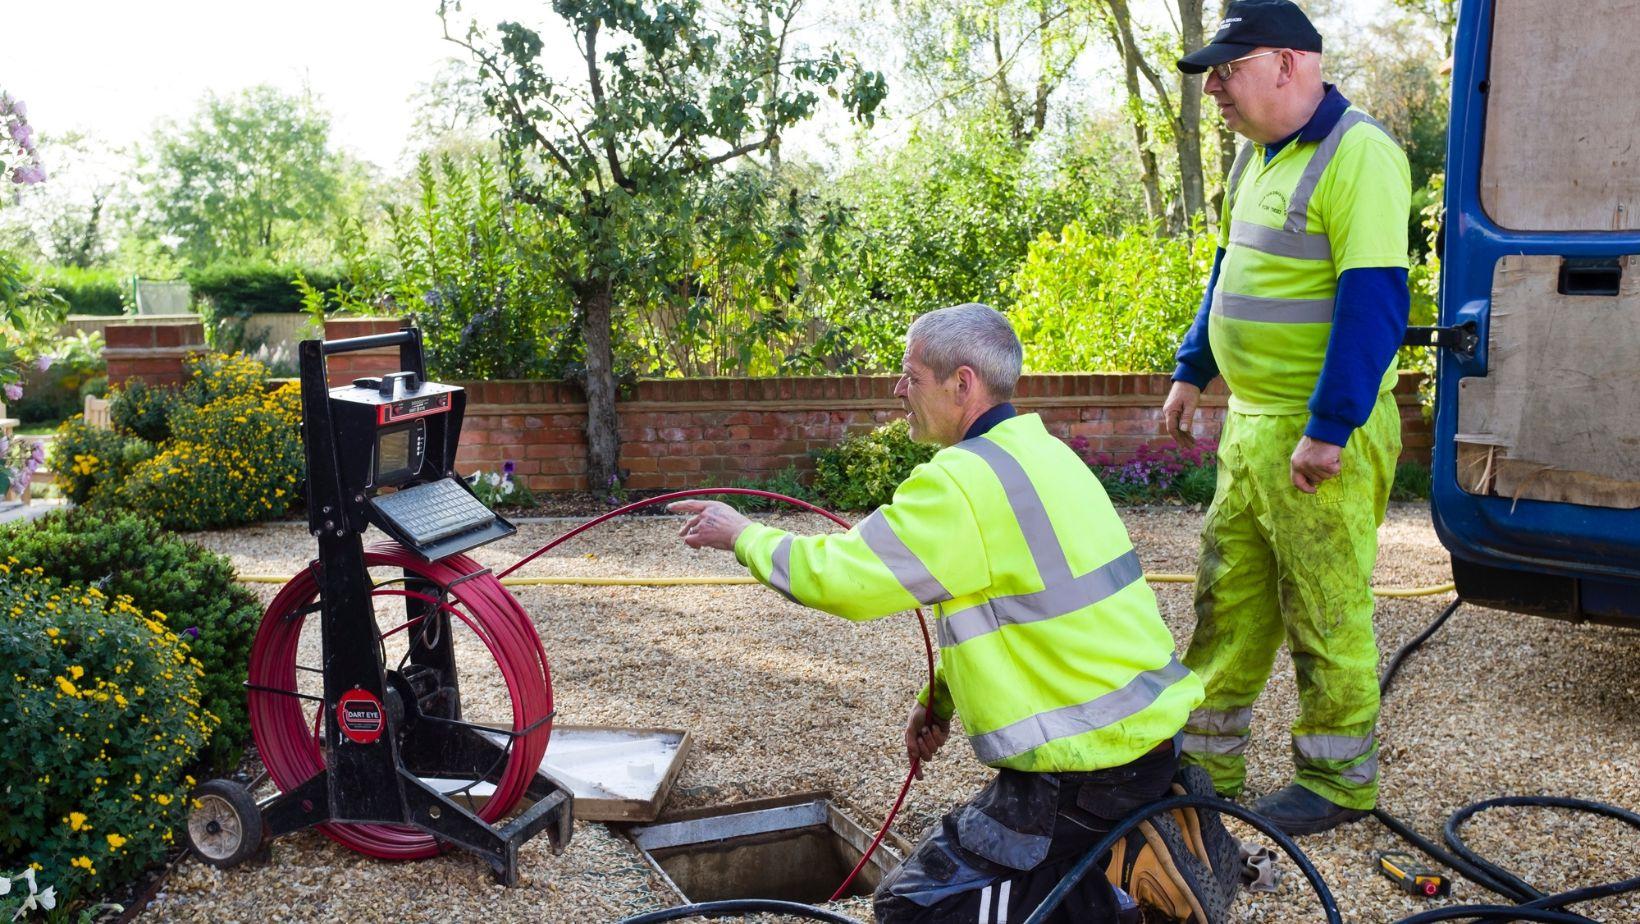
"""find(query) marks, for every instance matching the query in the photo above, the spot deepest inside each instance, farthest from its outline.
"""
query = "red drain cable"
(928, 644)
(290, 747)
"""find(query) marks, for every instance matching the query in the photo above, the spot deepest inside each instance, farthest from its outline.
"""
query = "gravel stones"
(782, 700)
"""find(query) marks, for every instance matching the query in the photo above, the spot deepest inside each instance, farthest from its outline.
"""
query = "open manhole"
(797, 849)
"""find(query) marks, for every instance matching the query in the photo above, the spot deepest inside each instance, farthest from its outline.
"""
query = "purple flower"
(14, 391)
(38, 456)
(43, 363)
(192, 631)
(22, 134)
(508, 467)
(28, 174)
(18, 108)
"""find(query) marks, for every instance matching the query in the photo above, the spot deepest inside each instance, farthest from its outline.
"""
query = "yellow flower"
(76, 821)
(115, 841)
(66, 687)
(82, 862)
(76, 671)
(162, 799)
(52, 632)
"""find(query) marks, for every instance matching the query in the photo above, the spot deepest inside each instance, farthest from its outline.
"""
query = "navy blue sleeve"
(1196, 363)
(1369, 322)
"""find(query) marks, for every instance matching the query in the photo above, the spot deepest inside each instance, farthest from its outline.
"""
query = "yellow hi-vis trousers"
(1276, 564)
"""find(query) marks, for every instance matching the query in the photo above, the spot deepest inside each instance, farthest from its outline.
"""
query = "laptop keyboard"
(430, 512)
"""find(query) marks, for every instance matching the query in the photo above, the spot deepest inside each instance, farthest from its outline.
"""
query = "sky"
(114, 70)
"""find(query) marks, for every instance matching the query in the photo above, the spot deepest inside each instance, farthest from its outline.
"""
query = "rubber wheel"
(225, 826)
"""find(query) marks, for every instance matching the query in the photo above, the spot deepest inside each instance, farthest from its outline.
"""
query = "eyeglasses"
(1227, 69)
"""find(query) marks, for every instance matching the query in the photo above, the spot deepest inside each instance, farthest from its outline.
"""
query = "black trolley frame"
(381, 781)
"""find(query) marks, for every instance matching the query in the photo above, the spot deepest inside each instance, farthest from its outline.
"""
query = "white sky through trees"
(115, 70)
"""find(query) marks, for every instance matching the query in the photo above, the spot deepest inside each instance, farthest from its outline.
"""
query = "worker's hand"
(1315, 462)
(711, 524)
(924, 733)
(1179, 410)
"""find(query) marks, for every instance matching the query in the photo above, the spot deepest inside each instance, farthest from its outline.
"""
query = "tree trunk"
(603, 424)
(1188, 132)
(1148, 178)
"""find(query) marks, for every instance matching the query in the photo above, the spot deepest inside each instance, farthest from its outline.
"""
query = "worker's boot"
(1296, 810)
(1156, 864)
(1204, 832)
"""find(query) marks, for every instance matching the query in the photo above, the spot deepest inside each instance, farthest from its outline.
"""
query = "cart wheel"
(226, 826)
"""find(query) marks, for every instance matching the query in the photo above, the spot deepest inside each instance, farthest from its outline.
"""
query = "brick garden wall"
(678, 433)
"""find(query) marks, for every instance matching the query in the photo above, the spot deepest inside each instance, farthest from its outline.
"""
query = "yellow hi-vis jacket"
(1051, 647)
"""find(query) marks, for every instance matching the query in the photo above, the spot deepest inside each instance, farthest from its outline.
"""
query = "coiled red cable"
(290, 747)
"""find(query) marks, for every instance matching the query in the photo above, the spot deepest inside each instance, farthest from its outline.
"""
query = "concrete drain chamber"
(798, 849)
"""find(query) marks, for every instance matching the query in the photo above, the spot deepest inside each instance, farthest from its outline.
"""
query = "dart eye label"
(360, 716)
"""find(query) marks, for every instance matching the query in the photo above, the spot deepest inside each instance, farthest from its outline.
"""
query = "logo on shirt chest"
(1274, 202)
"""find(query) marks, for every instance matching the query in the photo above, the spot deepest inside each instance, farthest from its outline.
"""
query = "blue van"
(1537, 427)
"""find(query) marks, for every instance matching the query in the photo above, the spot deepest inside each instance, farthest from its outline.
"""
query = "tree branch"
(595, 81)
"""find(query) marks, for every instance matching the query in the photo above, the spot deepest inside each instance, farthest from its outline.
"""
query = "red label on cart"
(413, 407)
(360, 715)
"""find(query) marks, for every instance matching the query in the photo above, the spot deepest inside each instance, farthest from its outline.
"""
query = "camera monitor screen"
(399, 452)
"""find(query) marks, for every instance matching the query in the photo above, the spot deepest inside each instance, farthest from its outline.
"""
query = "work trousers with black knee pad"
(994, 859)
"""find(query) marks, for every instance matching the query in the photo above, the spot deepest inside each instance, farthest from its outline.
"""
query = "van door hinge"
(1462, 339)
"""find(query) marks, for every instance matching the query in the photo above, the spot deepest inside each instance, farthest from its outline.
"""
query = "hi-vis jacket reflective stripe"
(1272, 309)
(1051, 647)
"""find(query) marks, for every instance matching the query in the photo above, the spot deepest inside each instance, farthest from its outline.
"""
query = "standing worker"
(1051, 648)
(1305, 309)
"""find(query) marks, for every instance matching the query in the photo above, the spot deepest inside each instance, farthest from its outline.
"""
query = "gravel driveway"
(782, 700)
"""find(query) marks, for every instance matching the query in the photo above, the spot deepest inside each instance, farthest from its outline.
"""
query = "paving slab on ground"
(782, 700)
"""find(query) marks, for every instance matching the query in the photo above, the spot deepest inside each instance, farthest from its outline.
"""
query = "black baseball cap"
(1252, 24)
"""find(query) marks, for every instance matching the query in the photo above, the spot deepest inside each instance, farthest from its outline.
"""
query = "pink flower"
(14, 391)
(43, 363)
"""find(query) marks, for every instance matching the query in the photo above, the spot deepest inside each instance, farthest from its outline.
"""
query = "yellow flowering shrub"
(236, 460)
(90, 461)
(102, 715)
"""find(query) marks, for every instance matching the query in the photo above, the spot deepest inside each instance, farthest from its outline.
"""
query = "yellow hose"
(649, 581)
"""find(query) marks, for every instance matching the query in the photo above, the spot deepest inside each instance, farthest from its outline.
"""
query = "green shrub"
(128, 554)
(57, 391)
(239, 288)
(861, 472)
(234, 461)
(102, 715)
(144, 410)
(787, 481)
(1412, 482)
(88, 291)
(90, 461)
(1092, 302)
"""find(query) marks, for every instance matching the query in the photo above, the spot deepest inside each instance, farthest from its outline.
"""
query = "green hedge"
(88, 291)
(255, 286)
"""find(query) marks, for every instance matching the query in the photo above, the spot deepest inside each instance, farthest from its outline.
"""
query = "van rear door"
(1537, 430)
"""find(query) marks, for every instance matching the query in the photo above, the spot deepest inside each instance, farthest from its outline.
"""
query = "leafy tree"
(250, 175)
(1007, 57)
(667, 97)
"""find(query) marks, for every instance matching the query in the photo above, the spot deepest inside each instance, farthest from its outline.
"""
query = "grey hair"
(972, 335)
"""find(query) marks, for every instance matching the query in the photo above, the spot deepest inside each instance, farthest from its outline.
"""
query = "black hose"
(1395, 660)
(1097, 852)
(738, 907)
(1531, 903)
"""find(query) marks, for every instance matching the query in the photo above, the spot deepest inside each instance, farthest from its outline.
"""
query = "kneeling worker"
(1051, 648)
